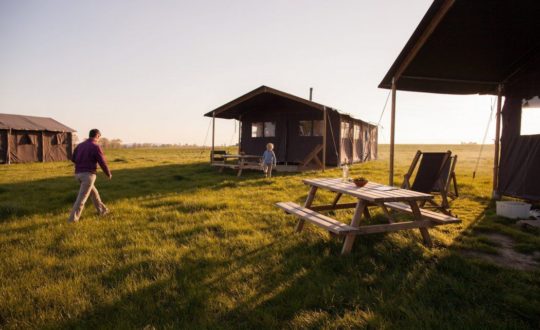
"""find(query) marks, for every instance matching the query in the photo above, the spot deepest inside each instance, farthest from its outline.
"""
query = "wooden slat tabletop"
(372, 192)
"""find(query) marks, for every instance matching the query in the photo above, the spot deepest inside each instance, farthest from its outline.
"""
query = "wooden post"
(213, 136)
(495, 194)
(324, 141)
(392, 133)
(8, 156)
(41, 136)
(239, 133)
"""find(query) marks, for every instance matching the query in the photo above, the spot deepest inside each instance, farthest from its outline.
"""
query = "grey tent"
(481, 47)
(31, 139)
(296, 127)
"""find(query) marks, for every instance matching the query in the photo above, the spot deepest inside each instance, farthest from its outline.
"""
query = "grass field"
(188, 247)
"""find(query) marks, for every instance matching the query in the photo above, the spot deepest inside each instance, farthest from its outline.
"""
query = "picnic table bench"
(243, 162)
(372, 194)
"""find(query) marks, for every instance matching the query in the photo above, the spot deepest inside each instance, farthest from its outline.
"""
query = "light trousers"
(87, 189)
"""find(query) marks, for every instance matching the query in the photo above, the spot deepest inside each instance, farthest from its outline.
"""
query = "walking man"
(86, 156)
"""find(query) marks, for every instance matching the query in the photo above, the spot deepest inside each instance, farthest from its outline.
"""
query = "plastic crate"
(513, 210)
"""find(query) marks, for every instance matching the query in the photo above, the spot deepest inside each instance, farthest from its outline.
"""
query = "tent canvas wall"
(481, 47)
(30, 139)
(296, 127)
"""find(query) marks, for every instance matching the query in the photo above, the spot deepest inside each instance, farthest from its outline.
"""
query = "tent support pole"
(324, 140)
(42, 138)
(392, 133)
(495, 194)
(8, 149)
(239, 133)
(213, 136)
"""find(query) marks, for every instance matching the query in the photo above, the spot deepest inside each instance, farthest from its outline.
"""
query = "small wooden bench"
(333, 226)
(435, 217)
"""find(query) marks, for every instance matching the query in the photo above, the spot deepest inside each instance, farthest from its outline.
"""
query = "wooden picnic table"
(243, 162)
(372, 194)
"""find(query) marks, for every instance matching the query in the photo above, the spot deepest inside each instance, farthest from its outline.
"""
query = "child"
(269, 160)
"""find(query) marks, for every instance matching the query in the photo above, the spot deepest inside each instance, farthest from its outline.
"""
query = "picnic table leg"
(307, 204)
(386, 212)
(349, 239)
(240, 167)
(418, 217)
(336, 199)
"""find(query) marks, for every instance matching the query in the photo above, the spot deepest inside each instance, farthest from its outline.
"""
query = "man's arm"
(103, 162)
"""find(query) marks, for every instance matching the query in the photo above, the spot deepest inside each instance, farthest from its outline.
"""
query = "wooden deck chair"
(434, 175)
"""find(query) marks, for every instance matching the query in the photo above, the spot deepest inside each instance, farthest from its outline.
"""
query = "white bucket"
(513, 210)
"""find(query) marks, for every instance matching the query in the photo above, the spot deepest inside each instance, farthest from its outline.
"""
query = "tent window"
(25, 140)
(55, 140)
(305, 127)
(318, 128)
(356, 132)
(345, 130)
(257, 130)
(530, 117)
(310, 128)
(269, 129)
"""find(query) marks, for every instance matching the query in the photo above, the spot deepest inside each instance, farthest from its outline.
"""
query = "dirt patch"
(507, 257)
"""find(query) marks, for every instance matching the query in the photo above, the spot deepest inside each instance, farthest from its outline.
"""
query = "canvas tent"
(31, 139)
(481, 47)
(297, 126)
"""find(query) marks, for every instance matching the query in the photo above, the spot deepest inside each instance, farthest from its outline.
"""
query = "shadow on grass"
(58, 194)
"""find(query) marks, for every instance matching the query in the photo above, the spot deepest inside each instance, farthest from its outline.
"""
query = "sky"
(147, 71)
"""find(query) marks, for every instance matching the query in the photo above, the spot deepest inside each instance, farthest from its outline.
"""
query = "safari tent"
(33, 139)
(298, 128)
(481, 47)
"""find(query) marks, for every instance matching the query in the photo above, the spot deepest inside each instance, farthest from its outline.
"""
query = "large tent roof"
(469, 47)
(263, 95)
(32, 123)
(238, 106)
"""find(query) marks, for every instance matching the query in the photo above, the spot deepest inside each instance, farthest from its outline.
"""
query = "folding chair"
(434, 175)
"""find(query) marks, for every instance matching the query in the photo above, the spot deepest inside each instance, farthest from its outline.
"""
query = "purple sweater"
(87, 155)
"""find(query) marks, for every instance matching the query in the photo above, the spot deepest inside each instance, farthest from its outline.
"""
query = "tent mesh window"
(55, 140)
(304, 127)
(25, 140)
(269, 129)
(530, 116)
(257, 130)
(318, 128)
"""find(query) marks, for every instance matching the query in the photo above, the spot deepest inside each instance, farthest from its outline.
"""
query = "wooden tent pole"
(8, 158)
(42, 137)
(239, 132)
(324, 141)
(495, 194)
(392, 133)
(213, 136)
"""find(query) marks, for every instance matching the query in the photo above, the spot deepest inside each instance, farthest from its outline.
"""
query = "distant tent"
(482, 47)
(296, 127)
(32, 139)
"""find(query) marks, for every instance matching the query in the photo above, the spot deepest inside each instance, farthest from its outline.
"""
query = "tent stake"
(392, 133)
(495, 194)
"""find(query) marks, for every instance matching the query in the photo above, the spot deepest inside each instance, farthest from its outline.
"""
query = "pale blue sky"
(147, 71)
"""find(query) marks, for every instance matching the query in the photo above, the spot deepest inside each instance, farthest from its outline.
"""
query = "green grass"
(188, 247)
